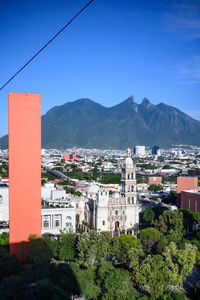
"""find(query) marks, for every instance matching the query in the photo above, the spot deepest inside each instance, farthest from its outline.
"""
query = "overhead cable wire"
(32, 58)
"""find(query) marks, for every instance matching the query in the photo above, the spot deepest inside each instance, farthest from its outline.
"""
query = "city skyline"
(113, 50)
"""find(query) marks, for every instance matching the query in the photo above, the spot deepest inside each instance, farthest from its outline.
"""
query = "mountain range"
(87, 124)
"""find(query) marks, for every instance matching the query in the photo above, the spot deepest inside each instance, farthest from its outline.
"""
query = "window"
(57, 221)
(189, 204)
(196, 205)
(69, 224)
(128, 176)
(46, 221)
(103, 222)
(131, 175)
(76, 205)
(68, 218)
(128, 200)
(132, 188)
(116, 212)
(132, 200)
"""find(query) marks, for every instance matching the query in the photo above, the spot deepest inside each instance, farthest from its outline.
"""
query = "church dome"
(128, 162)
(93, 189)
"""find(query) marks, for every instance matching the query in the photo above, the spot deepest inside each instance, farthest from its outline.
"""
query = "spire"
(128, 152)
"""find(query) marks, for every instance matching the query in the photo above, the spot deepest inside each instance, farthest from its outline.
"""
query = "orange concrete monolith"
(24, 122)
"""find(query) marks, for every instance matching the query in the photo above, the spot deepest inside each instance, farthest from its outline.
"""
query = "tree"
(67, 249)
(158, 273)
(122, 244)
(153, 275)
(36, 251)
(180, 262)
(155, 187)
(46, 289)
(117, 282)
(4, 239)
(149, 237)
(92, 247)
(148, 217)
(9, 264)
(170, 223)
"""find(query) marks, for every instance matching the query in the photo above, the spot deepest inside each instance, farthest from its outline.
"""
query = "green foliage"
(170, 223)
(158, 273)
(158, 210)
(9, 264)
(67, 247)
(190, 218)
(52, 244)
(46, 289)
(117, 282)
(147, 217)
(155, 187)
(149, 238)
(93, 247)
(4, 239)
(36, 251)
(146, 166)
(122, 244)
(153, 275)
(86, 282)
(11, 288)
(161, 245)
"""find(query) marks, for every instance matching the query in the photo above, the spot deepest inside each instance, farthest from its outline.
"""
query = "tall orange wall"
(24, 127)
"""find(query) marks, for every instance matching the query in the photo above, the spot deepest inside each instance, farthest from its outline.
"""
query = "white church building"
(119, 211)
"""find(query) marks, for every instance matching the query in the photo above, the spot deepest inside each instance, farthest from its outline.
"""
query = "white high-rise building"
(139, 150)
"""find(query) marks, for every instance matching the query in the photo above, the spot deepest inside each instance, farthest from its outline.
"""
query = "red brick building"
(190, 199)
(71, 157)
(187, 192)
(155, 180)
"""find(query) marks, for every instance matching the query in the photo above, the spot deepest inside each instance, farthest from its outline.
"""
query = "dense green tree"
(158, 273)
(122, 244)
(155, 187)
(149, 237)
(92, 247)
(11, 288)
(86, 281)
(36, 251)
(117, 282)
(46, 289)
(67, 247)
(147, 217)
(4, 239)
(9, 264)
(158, 210)
(170, 223)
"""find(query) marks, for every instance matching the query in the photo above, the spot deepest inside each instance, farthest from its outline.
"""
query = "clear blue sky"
(115, 49)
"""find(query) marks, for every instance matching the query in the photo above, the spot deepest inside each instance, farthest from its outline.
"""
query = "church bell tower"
(128, 181)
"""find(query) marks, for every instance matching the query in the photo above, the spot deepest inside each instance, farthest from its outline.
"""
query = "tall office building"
(139, 150)
(155, 150)
(24, 115)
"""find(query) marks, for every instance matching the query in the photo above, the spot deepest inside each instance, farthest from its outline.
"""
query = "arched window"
(128, 188)
(128, 176)
(132, 200)
(128, 200)
(116, 212)
(132, 188)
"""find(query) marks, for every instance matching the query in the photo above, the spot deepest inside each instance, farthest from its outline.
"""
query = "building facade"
(119, 211)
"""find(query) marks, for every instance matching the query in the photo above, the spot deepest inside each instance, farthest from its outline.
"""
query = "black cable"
(28, 62)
